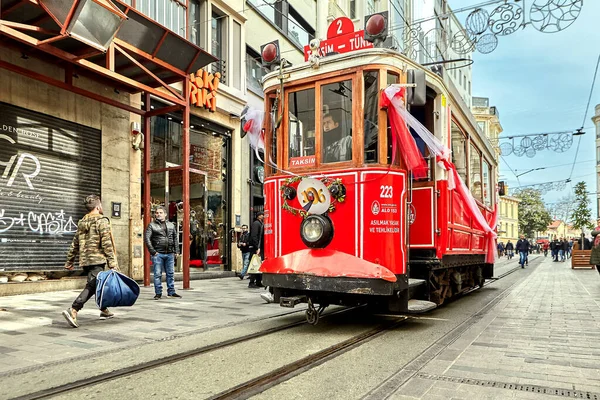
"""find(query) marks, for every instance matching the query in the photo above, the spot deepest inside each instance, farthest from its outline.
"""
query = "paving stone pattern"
(541, 342)
(33, 332)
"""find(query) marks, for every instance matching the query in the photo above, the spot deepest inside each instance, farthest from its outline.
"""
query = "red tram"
(372, 199)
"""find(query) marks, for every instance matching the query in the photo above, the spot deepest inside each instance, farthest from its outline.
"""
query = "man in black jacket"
(523, 250)
(244, 246)
(162, 241)
(257, 246)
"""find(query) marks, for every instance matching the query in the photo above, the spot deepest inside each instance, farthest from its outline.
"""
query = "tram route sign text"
(341, 38)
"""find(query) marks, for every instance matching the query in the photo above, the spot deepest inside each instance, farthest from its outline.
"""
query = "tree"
(533, 215)
(582, 214)
(563, 209)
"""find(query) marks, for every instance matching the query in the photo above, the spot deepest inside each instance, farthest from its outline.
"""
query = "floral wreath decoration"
(336, 188)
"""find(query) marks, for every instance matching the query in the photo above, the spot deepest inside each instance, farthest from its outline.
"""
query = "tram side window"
(487, 184)
(459, 152)
(301, 127)
(475, 169)
(371, 109)
(336, 140)
(391, 79)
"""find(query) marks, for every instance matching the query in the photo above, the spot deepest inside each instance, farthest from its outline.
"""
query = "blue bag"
(113, 289)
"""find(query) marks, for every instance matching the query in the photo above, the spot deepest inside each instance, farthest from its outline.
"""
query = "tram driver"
(337, 145)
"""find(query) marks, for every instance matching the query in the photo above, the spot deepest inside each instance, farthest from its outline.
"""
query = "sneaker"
(268, 297)
(105, 314)
(174, 296)
(252, 285)
(157, 297)
(241, 277)
(71, 317)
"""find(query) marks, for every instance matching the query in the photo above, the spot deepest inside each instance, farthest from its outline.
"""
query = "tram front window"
(336, 120)
(301, 127)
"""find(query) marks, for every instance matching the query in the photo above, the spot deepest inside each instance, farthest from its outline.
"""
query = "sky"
(540, 82)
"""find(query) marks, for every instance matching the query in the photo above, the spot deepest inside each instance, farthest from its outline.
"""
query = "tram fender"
(326, 263)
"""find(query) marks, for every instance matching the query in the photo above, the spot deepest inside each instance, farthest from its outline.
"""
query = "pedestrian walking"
(510, 250)
(500, 249)
(523, 249)
(94, 244)
(595, 256)
(244, 246)
(162, 241)
(555, 247)
(546, 246)
(562, 248)
(257, 246)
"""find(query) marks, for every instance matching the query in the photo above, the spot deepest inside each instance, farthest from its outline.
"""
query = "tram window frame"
(268, 126)
(486, 168)
(475, 159)
(354, 132)
(287, 123)
(388, 132)
(371, 115)
(464, 146)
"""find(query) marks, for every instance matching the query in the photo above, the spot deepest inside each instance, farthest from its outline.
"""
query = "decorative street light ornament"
(487, 43)
(477, 21)
(94, 22)
(529, 145)
(462, 43)
(551, 16)
(506, 19)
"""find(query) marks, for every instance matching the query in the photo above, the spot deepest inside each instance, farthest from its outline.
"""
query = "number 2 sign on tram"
(341, 38)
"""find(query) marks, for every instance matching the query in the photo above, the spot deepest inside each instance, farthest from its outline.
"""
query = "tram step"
(415, 282)
(291, 302)
(420, 306)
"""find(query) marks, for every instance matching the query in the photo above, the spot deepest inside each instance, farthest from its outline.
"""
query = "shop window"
(475, 173)
(371, 115)
(254, 72)
(459, 152)
(236, 60)
(169, 13)
(336, 139)
(218, 46)
(283, 16)
(487, 184)
(165, 139)
(301, 127)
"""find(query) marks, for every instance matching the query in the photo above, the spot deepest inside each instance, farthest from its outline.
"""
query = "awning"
(140, 49)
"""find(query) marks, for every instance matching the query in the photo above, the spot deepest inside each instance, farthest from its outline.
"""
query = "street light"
(531, 170)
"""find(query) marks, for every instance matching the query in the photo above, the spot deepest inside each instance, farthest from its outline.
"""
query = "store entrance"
(167, 190)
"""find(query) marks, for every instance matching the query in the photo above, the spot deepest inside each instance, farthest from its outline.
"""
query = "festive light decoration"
(543, 188)
(482, 28)
(529, 145)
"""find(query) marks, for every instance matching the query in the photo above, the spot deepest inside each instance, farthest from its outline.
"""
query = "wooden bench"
(581, 259)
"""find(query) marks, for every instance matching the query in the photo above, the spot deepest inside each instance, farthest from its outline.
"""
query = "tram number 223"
(311, 195)
(387, 192)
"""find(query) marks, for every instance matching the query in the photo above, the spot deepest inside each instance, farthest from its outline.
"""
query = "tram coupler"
(291, 302)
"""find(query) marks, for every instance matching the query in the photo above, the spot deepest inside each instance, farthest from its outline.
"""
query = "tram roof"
(383, 56)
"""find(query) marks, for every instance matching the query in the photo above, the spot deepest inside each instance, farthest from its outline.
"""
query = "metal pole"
(185, 251)
(146, 199)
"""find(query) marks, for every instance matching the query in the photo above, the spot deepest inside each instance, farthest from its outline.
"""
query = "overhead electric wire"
(585, 115)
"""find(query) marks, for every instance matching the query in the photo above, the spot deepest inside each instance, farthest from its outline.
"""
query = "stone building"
(596, 120)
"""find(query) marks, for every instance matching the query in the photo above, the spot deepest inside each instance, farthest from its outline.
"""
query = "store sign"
(203, 89)
(341, 38)
(47, 167)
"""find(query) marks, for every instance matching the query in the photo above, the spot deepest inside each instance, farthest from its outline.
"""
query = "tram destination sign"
(341, 38)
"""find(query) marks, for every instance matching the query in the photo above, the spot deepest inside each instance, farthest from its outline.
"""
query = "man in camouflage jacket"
(93, 243)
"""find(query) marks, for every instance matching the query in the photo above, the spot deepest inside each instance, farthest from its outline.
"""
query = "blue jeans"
(164, 262)
(246, 262)
(523, 257)
(562, 255)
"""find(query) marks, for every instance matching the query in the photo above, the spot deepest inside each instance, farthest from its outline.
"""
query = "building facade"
(508, 220)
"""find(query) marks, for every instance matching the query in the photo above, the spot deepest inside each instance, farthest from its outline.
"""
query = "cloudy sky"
(540, 82)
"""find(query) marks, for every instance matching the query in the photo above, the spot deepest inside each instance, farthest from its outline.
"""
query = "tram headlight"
(316, 231)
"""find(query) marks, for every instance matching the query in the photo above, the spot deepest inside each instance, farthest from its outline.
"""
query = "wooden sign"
(203, 89)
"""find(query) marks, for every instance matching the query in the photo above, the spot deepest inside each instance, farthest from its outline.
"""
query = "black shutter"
(47, 167)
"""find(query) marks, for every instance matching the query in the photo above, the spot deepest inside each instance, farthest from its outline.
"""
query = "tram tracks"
(152, 364)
